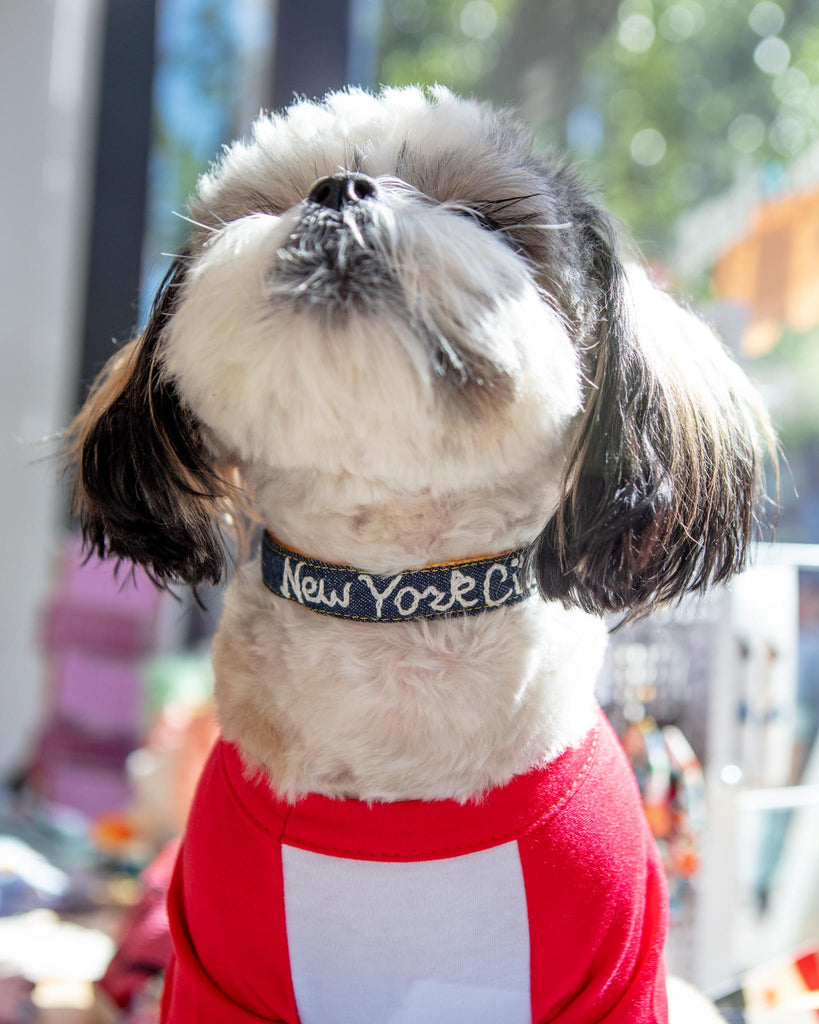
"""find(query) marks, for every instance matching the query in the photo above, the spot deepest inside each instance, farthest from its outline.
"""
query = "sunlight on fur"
(398, 338)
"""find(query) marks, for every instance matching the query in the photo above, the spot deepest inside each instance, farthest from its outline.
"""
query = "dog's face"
(365, 297)
(393, 288)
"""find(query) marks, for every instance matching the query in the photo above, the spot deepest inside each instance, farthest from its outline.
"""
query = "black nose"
(338, 190)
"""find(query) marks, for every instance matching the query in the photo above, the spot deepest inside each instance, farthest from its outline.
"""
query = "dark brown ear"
(147, 490)
(666, 465)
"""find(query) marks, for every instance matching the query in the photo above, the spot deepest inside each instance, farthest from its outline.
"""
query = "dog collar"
(434, 592)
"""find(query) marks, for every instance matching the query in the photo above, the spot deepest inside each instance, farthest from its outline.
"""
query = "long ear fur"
(147, 489)
(667, 464)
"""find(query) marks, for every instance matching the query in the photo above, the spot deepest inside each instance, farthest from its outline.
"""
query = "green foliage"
(674, 101)
(788, 375)
(690, 93)
(455, 43)
(671, 101)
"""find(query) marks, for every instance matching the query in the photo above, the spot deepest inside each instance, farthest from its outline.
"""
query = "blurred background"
(699, 122)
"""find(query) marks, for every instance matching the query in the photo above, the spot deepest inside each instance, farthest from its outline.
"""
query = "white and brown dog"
(415, 350)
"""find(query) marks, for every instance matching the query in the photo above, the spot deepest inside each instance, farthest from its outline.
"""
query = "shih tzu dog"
(416, 353)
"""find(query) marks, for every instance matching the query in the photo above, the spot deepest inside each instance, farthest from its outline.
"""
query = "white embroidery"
(291, 578)
(416, 597)
(516, 577)
(309, 589)
(332, 599)
(380, 596)
(487, 595)
(437, 597)
(461, 584)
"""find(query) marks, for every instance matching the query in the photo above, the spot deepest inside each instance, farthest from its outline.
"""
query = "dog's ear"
(146, 487)
(667, 461)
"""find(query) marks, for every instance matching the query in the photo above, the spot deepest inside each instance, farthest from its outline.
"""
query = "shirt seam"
(245, 810)
(437, 853)
(459, 849)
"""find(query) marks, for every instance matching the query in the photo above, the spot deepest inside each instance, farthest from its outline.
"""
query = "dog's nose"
(338, 190)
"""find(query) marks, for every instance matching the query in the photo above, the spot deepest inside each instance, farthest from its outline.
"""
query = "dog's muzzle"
(332, 258)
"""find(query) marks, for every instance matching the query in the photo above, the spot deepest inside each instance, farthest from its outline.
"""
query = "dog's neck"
(415, 710)
(380, 529)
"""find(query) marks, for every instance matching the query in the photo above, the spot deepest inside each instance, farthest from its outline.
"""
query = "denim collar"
(436, 591)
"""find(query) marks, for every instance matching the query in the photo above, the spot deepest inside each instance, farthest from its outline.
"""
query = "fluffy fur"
(453, 360)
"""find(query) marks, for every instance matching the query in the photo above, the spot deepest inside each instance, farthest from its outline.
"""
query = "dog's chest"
(333, 910)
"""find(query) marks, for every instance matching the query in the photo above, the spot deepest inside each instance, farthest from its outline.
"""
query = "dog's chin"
(305, 342)
(332, 266)
(335, 269)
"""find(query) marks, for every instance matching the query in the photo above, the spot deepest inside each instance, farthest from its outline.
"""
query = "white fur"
(351, 456)
(288, 151)
(413, 710)
(284, 390)
(353, 452)
(398, 386)
(434, 710)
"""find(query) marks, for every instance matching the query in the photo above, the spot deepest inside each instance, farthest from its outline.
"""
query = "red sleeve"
(226, 913)
(190, 995)
(597, 900)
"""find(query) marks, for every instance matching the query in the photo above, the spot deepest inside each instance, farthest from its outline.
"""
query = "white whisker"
(541, 227)
(196, 223)
(353, 228)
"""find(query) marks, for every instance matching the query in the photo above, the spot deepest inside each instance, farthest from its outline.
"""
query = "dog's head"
(394, 288)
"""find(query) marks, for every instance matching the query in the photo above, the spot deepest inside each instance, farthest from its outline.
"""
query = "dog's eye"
(478, 216)
(489, 222)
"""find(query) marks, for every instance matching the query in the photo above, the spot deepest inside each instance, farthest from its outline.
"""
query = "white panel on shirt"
(436, 942)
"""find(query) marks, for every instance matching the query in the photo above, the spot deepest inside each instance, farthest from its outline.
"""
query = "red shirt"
(545, 901)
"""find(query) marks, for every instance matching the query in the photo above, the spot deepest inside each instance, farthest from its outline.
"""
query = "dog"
(425, 361)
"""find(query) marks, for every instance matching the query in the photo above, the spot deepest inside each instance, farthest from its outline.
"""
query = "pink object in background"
(92, 608)
(97, 693)
(92, 789)
(82, 771)
(96, 629)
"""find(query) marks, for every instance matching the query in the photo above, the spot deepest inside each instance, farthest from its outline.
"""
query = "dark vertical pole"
(118, 207)
(312, 41)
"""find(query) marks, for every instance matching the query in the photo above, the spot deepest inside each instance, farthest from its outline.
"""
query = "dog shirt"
(544, 901)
